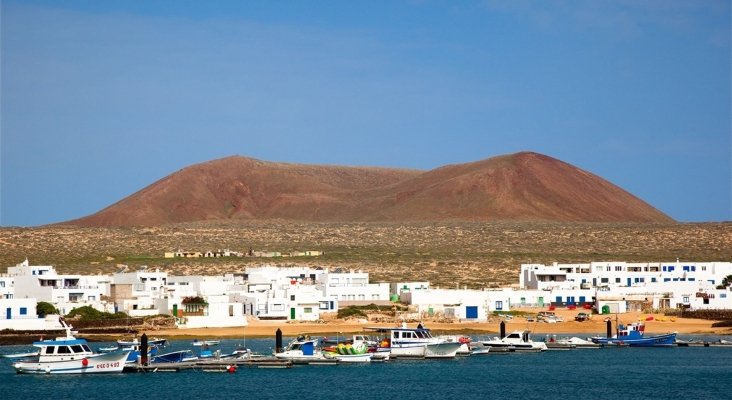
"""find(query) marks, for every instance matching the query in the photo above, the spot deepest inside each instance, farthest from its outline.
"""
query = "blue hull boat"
(634, 335)
(174, 357)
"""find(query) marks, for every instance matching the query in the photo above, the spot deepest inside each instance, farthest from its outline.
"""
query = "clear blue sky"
(102, 98)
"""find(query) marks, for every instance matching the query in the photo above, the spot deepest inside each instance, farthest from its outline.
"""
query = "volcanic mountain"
(521, 187)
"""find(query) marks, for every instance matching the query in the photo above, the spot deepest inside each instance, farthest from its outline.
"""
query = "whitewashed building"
(138, 293)
(398, 288)
(458, 304)
(353, 288)
(223, 305)
(65, 292)
(617, 286)
(620, 273)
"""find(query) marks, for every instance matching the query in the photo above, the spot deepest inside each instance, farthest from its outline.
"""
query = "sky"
(99, 99)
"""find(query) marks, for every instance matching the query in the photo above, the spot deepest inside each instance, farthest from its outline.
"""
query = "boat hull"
(407, 351)
(350, 358)
(92, 364)
(442, 350)
(666, 340)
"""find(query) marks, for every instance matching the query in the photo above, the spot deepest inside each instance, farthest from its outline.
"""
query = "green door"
(541, 302)
(292, 313)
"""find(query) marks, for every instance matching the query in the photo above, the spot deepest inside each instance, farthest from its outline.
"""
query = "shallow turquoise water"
(613, 373)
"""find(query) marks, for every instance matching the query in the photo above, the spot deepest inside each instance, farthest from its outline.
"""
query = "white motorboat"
(208, 342)
(69, 355)
(416, 342)
(464, 350)
(578, 343)
(135, 341)
(517, 341)
(301, 350)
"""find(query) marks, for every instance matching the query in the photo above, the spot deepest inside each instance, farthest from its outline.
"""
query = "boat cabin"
(53, 350)
(307, 347)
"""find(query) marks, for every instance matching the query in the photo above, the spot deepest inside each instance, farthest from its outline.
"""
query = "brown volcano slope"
(522, 186)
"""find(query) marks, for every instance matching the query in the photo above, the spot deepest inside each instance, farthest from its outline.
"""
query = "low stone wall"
(714, 315)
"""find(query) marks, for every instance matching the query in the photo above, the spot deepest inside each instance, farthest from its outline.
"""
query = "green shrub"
(43, 308)
(89, 313)
(351, 311)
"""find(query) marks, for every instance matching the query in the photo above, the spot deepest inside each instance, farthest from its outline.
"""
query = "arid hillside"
(473, 254)
(519, 187)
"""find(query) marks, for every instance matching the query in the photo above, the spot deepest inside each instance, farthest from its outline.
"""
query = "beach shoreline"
(655, 323)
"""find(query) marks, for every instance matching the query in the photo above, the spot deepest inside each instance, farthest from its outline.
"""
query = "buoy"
(231, 368)
(85, 362)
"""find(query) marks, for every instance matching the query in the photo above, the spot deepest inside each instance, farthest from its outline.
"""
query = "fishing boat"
(416, 342)
(633, 335)
(69, 355)
(516, 341)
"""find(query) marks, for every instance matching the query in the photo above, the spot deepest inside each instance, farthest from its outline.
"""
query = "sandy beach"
(596, 325)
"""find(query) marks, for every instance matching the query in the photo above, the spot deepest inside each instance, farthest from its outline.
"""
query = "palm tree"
(726, 282)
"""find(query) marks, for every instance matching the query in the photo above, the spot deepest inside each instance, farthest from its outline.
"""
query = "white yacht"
(515, 341)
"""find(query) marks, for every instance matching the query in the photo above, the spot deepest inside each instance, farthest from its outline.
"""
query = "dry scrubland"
(447, 254)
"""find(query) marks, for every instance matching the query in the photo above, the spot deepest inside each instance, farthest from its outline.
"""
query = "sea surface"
(611, 373)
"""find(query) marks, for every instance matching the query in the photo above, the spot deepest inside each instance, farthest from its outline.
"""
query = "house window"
(92, 298)
(362, 297)
(604, 280)
(706, 300)
(617, 280)
(292, 297)
(618, 268)
(323, 305)
(653, 279)
(23, 311)
(308, 310)
(278, 307)
(499, 305)
(685, 299)
(723, 295)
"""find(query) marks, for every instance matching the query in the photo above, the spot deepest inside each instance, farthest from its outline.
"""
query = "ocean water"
(612, 373)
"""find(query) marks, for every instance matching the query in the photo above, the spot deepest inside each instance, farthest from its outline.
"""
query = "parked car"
(544, 314)
(551, 319)
(530, 318)
(581, 317)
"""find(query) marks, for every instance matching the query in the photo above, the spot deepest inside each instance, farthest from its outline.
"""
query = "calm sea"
(613, 373)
